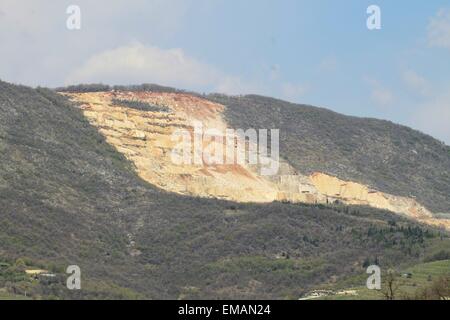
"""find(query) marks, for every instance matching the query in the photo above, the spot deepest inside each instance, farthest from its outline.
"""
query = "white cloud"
(293, 91)
(329, 64)
(275, 72)
(136, 63)
(234, 85)
(381, 95)
(433, 117)
(37, 49)
(416, 82)
(439, 29)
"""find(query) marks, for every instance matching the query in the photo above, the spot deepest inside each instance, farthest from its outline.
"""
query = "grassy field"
(421, 277)
(9, 296)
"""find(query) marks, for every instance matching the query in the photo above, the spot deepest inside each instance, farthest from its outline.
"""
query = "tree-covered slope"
(67, 197)
(386, 156)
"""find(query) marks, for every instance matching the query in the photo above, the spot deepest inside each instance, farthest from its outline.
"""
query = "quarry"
(148, 139)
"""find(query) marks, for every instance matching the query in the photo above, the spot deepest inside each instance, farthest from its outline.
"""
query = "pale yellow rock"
(357, 194)
(33, 272)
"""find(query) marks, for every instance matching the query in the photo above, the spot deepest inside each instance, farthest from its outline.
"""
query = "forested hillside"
(386, 156)
(67, 197)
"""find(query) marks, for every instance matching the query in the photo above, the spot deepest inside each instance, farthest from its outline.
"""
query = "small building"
(407, 275)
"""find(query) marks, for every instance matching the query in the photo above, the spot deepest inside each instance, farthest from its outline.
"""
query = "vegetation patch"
(140, 105)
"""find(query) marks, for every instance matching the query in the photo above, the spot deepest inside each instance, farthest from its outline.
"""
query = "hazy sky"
(314, 52)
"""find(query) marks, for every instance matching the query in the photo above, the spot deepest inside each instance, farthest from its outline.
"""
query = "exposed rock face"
(356, 194)
(147, 139)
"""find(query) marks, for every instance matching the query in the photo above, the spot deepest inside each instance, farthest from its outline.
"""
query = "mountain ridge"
(146, 137)
(377, 153)
(68, 197)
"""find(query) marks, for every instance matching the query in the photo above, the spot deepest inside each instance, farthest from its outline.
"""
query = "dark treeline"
(99, 87)
(140, 105)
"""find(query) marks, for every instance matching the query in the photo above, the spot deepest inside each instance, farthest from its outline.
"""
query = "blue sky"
(314, 52)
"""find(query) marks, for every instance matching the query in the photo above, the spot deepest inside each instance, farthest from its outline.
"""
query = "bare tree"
(438, 290)
(390, 285)
(441, 288)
